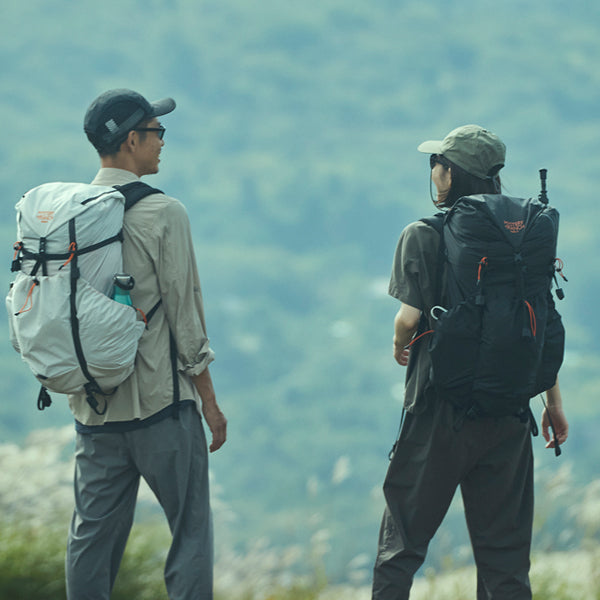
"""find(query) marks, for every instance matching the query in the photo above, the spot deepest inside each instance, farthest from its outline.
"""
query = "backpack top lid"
(504, 230)
(514, 217)
(44, 213)
(484, 222)
(44, 209)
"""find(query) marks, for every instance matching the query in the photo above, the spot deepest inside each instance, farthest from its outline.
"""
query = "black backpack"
(497, 338)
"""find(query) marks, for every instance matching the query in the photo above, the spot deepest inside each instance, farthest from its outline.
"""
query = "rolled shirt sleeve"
(180, 290)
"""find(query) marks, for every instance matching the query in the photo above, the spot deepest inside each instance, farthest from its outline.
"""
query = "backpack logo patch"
(514, 226)
(45, 216)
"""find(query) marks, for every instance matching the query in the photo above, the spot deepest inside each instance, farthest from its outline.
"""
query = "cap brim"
(431, 147)
(162, 107)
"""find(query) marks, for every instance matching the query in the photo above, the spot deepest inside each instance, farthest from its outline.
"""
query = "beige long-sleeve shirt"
(159, 253)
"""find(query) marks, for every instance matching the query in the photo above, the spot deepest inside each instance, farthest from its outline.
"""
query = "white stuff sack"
(38, 305)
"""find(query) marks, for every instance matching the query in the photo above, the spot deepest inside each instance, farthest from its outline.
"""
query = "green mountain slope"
(294, 148)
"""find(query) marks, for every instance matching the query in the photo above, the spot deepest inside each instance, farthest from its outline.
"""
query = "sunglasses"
(160, 131)
(435, 159)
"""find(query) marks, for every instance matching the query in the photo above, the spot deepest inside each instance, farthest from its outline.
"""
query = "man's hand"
(215, 419)
(217, 423)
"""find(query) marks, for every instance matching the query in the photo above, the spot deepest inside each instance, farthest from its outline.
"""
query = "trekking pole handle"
(543, 197)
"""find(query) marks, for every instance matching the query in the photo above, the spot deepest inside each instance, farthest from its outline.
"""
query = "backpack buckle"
(17, 259)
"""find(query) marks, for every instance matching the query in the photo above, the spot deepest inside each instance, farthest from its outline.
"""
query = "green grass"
(32, 568)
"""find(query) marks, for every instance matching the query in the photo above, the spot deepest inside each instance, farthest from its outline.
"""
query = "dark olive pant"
(491, 460)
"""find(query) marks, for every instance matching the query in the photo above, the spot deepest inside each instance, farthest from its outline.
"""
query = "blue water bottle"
(123, 283)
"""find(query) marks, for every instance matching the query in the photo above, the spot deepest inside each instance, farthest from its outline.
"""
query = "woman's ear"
(447, 177)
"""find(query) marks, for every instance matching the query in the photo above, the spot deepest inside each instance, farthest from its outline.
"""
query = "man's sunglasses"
(434, 159)
(160, 131)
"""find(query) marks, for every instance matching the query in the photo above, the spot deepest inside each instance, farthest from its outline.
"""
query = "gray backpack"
(62, 319)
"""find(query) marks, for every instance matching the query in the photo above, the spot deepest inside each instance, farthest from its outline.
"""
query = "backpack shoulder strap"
(437, 222)
(135, 191)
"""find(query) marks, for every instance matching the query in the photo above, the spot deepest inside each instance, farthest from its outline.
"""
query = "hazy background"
(293, 146)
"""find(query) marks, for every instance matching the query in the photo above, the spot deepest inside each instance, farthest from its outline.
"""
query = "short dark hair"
(465, 184)
(114, 147)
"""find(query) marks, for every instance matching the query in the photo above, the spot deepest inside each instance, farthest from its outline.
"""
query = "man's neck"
(124, 163)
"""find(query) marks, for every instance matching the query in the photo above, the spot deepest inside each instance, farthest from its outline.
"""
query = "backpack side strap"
(92, 386)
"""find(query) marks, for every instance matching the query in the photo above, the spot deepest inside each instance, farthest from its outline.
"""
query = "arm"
(179, 285)
(215, 419)
(413, 281)
(555, 412)
(405, 326)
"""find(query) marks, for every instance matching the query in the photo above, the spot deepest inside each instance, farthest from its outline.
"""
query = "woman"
(490, 458)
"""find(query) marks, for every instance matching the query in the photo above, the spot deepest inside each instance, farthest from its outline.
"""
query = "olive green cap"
(475, 149)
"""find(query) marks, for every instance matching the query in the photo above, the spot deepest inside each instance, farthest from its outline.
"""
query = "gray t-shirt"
(413, 282)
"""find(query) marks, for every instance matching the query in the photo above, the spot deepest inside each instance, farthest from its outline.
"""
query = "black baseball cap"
(113, 114)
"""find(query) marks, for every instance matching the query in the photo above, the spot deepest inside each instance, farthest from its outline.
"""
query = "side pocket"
(10, 311)
(454, 350)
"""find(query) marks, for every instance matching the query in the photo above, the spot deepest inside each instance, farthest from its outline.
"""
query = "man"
(439, 448)
(152, 424)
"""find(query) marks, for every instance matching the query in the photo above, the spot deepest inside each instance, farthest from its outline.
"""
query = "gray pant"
(172, 457)
(491, 460)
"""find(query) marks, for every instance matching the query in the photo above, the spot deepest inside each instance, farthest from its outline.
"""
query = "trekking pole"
(543, 197)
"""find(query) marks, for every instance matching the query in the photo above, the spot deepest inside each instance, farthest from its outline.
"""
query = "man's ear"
(131, 141)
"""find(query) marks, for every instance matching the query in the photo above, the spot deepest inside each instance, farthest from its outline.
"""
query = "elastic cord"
(417, 338)
(28, 299)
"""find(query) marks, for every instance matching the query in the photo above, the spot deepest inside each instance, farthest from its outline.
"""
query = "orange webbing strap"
(28, 299)
(16, 261)
(482, 263)
(532, 320)
(73, 251)
(18, 246)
